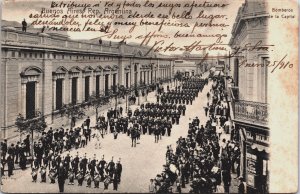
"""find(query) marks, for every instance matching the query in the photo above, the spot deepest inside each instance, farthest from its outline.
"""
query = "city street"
(96, 107)
(139, 164)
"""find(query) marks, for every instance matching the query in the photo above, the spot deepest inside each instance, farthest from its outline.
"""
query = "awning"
(260, 148)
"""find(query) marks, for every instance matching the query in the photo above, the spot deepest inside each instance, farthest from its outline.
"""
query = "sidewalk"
(135, 177)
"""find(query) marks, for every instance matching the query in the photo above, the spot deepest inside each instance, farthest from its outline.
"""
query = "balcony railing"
(252, 112)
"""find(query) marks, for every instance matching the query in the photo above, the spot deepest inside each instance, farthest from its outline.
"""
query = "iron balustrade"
(254, 112)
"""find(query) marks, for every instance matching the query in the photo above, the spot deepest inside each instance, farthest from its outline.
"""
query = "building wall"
(44, 59)
(250, 109)
(185, 66)
(248, 33)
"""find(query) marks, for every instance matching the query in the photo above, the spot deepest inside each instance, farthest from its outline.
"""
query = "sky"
(17, 10)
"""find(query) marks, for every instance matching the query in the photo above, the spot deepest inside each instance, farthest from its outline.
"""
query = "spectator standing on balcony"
(24, 25)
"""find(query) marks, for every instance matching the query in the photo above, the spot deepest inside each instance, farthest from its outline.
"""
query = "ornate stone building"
(249, 93)
(43, 71)
(192, 64)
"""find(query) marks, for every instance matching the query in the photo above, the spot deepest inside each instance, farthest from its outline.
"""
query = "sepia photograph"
(150, 96)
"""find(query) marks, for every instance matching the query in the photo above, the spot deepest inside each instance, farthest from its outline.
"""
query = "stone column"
(102, 82)
(64, 91)
(83, 88)
(131, 74)
(23, 96)
(120, 73)
(54, 94)
(37, 96)
(109, 80)
(138, 74)
(44, 90)
(70, 90)
(92, 84)
(80, 87)
(117, 79)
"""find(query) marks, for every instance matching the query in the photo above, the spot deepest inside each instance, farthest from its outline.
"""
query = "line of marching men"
(153, 118)
(80, 169)
(201, 159)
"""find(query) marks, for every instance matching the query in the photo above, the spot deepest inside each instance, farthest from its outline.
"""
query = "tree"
(37, 124)
(178, 76)
(73, 112)
(118, 91)
(97, 102)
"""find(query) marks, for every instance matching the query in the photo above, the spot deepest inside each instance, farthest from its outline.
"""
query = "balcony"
(251, 112)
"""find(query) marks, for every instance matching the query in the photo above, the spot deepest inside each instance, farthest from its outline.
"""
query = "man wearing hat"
(115, 180)
(4, 149)
(10, 165)
(11, 152)
(101, 167)
(118, 170)
(92, 166)
(23, 158)
(17, 152)
(84, 162)
(110, 167)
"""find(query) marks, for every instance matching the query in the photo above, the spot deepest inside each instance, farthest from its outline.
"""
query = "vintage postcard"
(149, 96)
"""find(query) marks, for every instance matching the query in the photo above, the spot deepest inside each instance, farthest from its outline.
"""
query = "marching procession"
(151, 111)
(201, 160)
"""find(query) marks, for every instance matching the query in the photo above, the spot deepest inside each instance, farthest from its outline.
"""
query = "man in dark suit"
(61, 177)
(24, 25)
(118, 171)
(88, 122)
